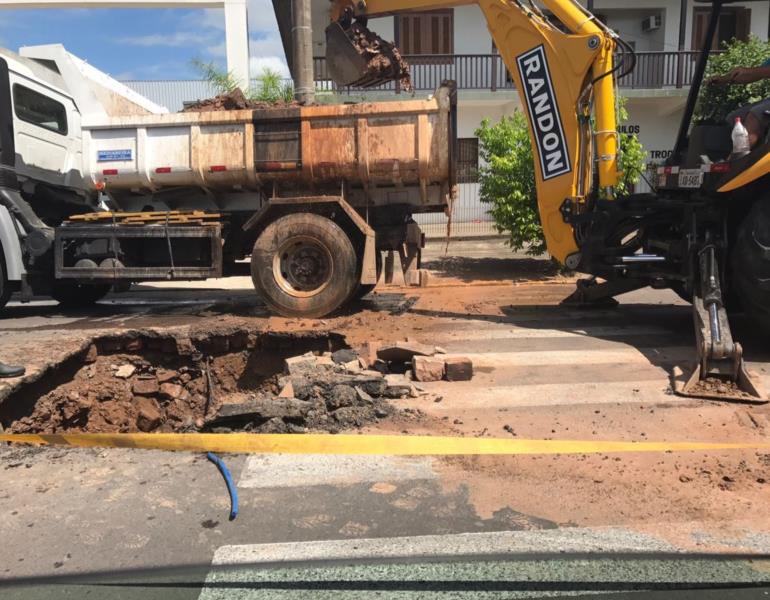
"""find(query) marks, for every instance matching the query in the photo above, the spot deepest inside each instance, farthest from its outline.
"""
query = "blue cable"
(228, 480)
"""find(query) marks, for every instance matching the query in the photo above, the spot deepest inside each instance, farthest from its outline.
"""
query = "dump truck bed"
(394, 145)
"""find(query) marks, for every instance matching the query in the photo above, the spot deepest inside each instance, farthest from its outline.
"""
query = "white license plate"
(690, 178)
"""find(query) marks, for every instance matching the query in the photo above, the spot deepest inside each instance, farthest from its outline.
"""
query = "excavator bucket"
(743, 388)
(345, 62)
(358, 57)
(720, 373)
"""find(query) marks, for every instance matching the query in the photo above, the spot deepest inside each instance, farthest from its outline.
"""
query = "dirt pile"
(121, 393)
(383, 60)
(235, 100)
(713, 387)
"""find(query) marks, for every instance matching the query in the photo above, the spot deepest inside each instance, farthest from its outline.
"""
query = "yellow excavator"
(704, 231)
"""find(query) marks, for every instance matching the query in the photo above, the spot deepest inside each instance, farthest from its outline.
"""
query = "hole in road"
(151, 382)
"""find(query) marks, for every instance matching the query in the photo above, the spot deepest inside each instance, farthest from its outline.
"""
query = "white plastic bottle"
(740, 137)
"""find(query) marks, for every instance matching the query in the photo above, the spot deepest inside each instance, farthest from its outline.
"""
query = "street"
(541, 371)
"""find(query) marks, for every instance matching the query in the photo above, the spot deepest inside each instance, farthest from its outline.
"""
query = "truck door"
(42, 124)
(7, 148)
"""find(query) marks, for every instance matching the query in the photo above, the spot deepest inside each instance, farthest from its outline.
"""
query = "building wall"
(628, 24)
(470, 115)
(471, 34)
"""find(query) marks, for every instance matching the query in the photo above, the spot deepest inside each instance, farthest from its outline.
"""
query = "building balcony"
(486, 72)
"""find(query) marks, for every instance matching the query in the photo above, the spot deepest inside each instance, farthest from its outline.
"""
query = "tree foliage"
(270, 86)
(507, 177)
(717, 101)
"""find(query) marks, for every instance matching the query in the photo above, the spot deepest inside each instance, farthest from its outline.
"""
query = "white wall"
(628, 24)
(667, 38)
(469, 116)
(656, 122)
(471, 34)
(384, 26)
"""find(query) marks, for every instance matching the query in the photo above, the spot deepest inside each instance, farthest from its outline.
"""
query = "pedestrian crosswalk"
(570, 359)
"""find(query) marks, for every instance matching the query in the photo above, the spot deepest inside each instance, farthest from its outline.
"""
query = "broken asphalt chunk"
(458, 368)
(402, 352)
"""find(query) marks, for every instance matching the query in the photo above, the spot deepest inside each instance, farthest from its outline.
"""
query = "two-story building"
(455, 44)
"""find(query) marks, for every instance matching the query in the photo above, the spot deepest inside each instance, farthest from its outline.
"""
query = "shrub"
(717, 101)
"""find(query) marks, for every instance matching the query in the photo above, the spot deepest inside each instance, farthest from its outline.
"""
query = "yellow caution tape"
(388, 445)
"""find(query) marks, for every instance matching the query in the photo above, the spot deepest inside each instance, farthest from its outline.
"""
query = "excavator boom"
(560, 77)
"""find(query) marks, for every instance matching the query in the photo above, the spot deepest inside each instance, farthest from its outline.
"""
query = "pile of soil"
(713, 387)
(235, 100)
(383, 59)
(125, 393)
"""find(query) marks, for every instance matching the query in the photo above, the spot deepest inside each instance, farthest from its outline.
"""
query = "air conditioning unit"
(651, 23)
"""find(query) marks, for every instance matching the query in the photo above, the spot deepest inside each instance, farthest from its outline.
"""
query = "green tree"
(717, 101)
(507, 177)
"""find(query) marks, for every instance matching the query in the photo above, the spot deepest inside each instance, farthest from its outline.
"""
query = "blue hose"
(228, 480)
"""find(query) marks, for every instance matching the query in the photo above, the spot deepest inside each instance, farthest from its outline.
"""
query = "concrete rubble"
(423, 362)
(152, 389)
(344, 388)
(330, 391)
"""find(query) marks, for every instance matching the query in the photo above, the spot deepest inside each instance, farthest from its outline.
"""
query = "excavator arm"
(563, 79)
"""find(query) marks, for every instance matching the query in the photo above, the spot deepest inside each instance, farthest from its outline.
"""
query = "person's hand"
(725, 79)
(737, 75)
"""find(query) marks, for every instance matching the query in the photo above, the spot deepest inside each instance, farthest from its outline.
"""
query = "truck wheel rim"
(303, 267)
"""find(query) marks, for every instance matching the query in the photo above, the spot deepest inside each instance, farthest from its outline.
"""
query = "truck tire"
(304, 265)
(71, 294)
(751, 264)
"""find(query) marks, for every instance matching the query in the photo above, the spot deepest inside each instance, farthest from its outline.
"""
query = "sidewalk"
(470, 229)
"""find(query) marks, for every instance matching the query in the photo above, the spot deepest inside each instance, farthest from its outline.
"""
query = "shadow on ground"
(493, 269)
(676, 319)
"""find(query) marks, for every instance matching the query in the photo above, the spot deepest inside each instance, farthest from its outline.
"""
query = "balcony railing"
(654, 70)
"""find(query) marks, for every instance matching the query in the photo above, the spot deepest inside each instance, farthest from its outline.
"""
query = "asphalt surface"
(124, 523)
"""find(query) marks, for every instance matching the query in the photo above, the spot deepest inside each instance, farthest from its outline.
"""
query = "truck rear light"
(720, 168)
(163, 170)
(218, 168)
(110, 172)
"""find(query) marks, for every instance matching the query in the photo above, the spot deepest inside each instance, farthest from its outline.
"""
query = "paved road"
(542, 371)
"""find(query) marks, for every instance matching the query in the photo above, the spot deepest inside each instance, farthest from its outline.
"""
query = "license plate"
(690, 178)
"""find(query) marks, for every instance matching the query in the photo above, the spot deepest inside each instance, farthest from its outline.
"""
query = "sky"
(138, 43)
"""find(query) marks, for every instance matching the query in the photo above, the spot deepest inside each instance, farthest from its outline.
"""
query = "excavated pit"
(229, 381)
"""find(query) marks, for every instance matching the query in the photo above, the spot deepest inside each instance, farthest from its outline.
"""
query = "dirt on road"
(551, 373)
